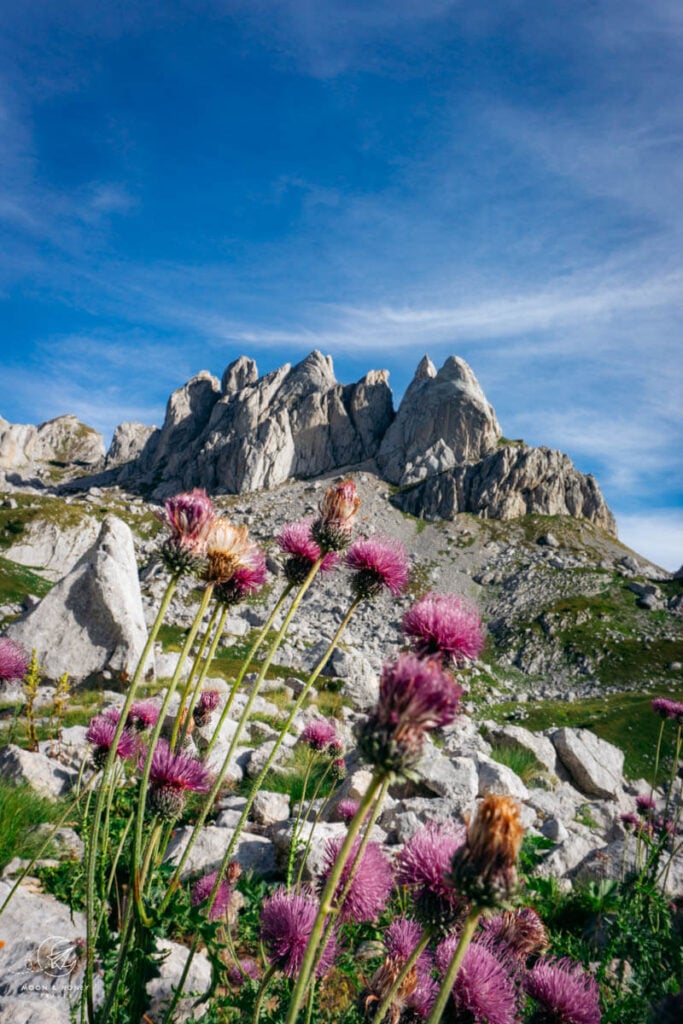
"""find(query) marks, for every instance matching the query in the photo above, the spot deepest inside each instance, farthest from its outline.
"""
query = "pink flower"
(295, 540)
(333, 528)
(203, 888)
(101, 734)
(143, 714)
(287, 920)
(668, 708)
(247, 579)
(373, 880)
(171, 776)
(521, 932)
(483, 990)
(14, 660)
(415, 697)
(319, 734)
(425, 864)
(188, 517)
(206, 705)
(446, 627)
(245, 968)
(346, 809)
(377, 562)
(565, 993)
(645, 805)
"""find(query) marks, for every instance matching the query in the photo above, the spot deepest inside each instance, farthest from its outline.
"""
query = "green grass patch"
(624, 719)
(21, 810)
(521, 762)
(16, 581)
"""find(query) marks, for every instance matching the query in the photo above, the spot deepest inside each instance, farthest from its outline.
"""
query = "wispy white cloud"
(658, 535)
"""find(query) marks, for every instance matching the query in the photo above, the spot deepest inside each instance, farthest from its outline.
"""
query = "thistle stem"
(103, 793)
(179, 720)
(278, 743)
(261, 994)
(451, 974)
(206, 665)
(403, 973)
(327, 896)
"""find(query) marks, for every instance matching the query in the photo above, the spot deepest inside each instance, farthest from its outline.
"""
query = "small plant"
(522, 762)
(31, 685)
(60, 702)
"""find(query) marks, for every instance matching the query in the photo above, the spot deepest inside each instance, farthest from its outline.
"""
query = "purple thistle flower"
(296, 540)
(401, 938)
(521, 933)
(247, 579)
(372, 882)
(319, 734)
(424, 864)
(188, 517)
(347, 809)
(417, 990)
(444, 626)
(101, 734)
(566, 994)
(377, 562)
(206, 705)
(171, 776)
(630, 820)
(14, 660)
(203, 888)
(645, 805)
(241, 971)
(333, 528)
(668, 708)
(483, 990)
(287, 920)
(143, 714)
(415, 697)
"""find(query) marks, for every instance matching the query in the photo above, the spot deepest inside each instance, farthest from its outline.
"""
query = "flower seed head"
(334, 527)
(484, 869)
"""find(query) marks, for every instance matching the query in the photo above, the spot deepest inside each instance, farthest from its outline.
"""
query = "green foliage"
(21, 811)
(522, 762)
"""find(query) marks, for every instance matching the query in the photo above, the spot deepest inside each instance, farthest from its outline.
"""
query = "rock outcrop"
(245, 433)
(92, 621)
(514, 481)
(443, 421)
(51, 452)
(248, 433)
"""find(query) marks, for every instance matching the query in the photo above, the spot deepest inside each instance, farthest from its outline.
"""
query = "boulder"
(92, 620)
(160, 990)
(44, 775)
(443, 421)
(128, 442)
(53, 548)
(252, 853)
(595, 766)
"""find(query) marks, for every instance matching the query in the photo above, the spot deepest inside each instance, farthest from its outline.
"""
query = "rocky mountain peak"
(240, 373)
(443, 421)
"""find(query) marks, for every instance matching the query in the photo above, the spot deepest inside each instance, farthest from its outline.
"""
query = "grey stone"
(269, 808)
(595, 766)
(252, 853)
(523, 739)
(45, 776)
(498, 778)
(56, 450)
(172, 958)
(92, 620)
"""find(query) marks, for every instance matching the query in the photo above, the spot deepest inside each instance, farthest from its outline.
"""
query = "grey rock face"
(53, 548)
(249, 433)
(595, 766)
(443, 421)
(52, 451)
(511, 482)
(127, 443)
(92, 619)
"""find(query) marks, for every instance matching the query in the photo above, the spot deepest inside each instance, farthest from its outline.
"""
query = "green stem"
(408, 965)
(339, 900)
(327, 896)
(292, 848)
(179, 720)
(256, 786)
(103, 793)
(245, 666)
(231, 748)
(156, 732)
(311, 1002)
(316, 821)
(178, 990)
(451, 974)
(261, 994)
(206, 665)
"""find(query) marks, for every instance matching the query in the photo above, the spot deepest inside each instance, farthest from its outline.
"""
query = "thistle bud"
(333, 528)
(484, 868)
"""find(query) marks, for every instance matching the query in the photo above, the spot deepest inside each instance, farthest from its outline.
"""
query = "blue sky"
(184, 181)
